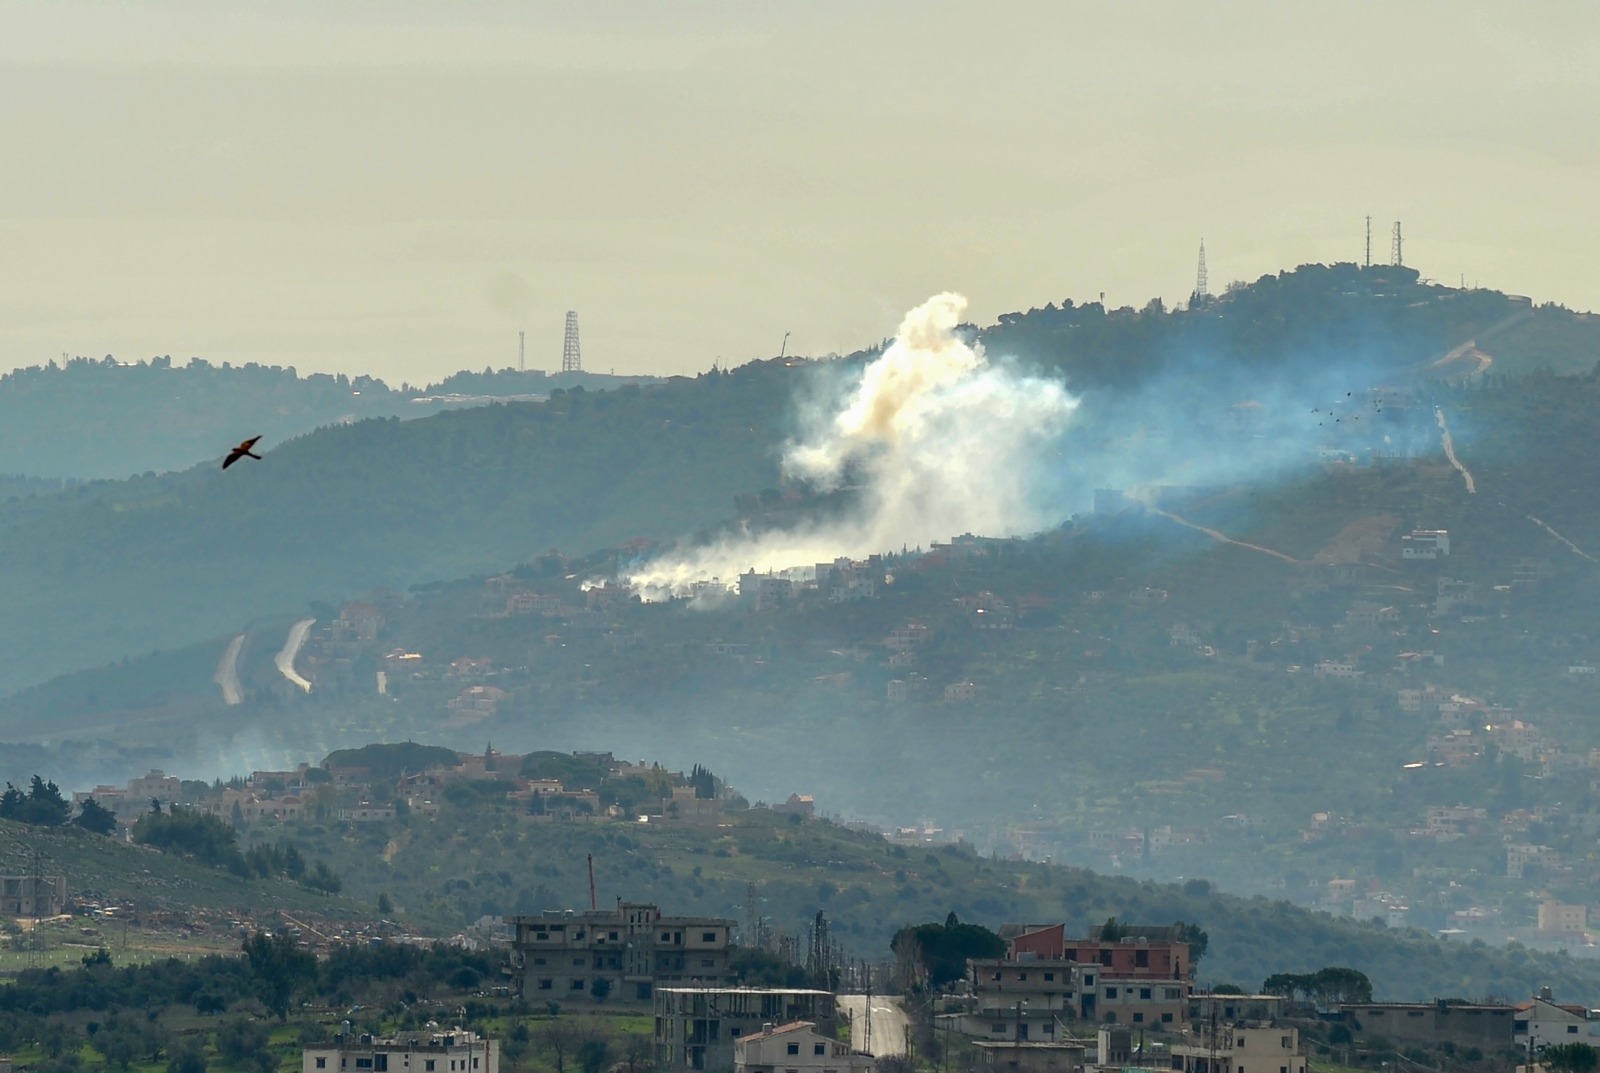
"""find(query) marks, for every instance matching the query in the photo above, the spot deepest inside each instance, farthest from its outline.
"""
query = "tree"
(95, 817)
(938, 953)
(187, 1057)
(560, 1038)
(1570, 1058)
(280, 968)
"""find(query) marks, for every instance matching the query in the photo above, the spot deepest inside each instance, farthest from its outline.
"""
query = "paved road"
(887, 1033)
(227, 676)
(291, 648)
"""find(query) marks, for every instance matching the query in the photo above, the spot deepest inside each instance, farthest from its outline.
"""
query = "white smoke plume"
(938, 441)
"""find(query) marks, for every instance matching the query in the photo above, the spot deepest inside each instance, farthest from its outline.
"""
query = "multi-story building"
(32, 896)
(455, 1051)
(622, 954)
(697, 1027)
(1023, 1000)
(1261, 1047)
(796, 1048)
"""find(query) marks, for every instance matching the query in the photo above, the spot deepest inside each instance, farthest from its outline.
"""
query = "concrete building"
(1558, 921)
(796, 1048)
(620, 954)
(1029, 999)
(455, 1051)
(1488, 1027)
(33, 896)
(1425, 544)
(1247, 1047)
(697, 1027)
(1065, 1057)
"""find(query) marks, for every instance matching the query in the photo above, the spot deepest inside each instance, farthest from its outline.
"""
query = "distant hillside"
(102, 419)
(869, 888)
(98, 572)
(102, 570)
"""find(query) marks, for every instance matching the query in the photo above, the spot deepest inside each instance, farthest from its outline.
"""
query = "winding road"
(292, 645)
(880, 1033)
(227, 676)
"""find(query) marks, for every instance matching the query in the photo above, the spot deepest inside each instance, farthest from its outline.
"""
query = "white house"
(455, 1051)
(796, 1048)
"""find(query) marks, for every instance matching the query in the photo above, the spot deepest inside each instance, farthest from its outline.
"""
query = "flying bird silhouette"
(242, 451)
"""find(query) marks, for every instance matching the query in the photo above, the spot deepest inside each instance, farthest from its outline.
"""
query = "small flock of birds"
(1376, 406)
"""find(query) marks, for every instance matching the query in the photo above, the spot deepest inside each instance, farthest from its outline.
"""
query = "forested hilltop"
(102, 418)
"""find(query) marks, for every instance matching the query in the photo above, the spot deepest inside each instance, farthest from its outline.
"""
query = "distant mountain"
(96, 572)
(89, 419)
(100, 570)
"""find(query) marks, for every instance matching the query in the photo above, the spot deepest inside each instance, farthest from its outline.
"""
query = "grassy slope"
(484, 858)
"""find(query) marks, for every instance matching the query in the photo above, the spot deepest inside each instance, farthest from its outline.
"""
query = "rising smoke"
(936, 439)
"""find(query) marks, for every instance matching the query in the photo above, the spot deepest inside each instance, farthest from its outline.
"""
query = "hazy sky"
(397, 188)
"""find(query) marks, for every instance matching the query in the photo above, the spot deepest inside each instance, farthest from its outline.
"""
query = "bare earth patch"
(1362, 537)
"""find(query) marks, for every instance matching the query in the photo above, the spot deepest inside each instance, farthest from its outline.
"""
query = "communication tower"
(1395, 257)
(522, 352)
(1368, 262)
(1202, 291)
(571, 355)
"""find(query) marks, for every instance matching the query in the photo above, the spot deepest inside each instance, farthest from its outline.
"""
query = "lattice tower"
(571, 354)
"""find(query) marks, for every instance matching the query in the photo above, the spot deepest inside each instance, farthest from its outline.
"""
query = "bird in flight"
(241, 451)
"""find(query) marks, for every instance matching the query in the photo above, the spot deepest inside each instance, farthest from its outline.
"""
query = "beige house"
(796, 1048)
(1253, 1047)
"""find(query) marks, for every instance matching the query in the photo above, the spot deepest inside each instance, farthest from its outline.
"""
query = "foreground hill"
(481, 855)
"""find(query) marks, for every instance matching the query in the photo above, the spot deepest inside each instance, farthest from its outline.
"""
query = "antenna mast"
(1395, 256)
(522, 352)
(571, 355)
(1368, 262)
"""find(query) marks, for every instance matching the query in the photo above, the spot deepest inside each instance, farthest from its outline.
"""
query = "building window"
(1049, 977)
(1166, 1018)
(613, 936)
(545, 985)
(1141, 959)
(577, 983)
(708, 937)
(996, 976)
(322, 1063)
(817, 1048)
(1144, 992)
(578, 962)
(794, 1048)
(380, 1062)
(363, 1063)
(707, 963)
(1111, 992)
(428, 1066)
(666, 937)
(1572, 1030)
(1138, 1018)
(538, 961)
(1022, 976)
